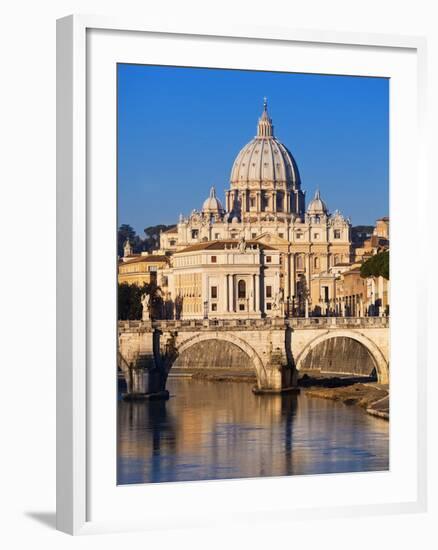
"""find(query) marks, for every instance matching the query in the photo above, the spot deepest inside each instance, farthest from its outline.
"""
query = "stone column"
(204, 291)
(243, 201)
(257, 293)
(373, 294)
(286, 276)
(251, 295)
(380, 286)
(229, 295)
(308, 270)
(308, 282)
(292, 275)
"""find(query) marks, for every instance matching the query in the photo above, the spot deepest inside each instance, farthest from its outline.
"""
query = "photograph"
(253, 293)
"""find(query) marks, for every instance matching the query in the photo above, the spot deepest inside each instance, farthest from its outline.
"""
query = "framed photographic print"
(233, 210)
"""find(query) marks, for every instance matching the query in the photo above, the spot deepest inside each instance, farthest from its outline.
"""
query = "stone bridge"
(275, 349)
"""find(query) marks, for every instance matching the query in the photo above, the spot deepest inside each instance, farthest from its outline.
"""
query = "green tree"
(129, 305)
(125, 232)
(376, 266)
(152, 239)
(359, 233)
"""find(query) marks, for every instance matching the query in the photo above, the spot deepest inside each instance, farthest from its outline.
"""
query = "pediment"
(272, 240)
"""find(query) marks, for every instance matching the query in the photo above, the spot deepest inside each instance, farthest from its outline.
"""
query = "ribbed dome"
(212, 204)
(317, 205)
(265, 159)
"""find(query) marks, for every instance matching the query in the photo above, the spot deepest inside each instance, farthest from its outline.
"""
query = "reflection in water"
(211, 430)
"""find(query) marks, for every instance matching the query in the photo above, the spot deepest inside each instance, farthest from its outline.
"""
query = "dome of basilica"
(265, 159)
(212, 204)
(317, 205)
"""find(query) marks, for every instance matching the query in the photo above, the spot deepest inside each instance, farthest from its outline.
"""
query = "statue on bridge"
(279, 302)
(145, 302)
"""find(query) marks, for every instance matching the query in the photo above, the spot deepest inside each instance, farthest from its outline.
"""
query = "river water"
(221, 430)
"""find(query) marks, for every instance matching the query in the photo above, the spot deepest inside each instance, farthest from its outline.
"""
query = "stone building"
(382, 228)
(356, 296)
(226, 279)
(265, 209)
(140, 268)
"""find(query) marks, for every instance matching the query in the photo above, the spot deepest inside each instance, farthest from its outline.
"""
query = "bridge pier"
(137, 359)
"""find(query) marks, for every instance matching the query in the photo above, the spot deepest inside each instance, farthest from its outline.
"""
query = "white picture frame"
(79, 220)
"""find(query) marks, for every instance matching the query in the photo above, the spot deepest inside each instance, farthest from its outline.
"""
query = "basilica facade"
(261, 254)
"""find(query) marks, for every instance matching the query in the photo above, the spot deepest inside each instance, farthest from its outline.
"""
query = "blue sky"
(180, 129)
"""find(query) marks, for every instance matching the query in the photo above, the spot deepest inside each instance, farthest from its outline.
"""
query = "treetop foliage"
(129, 305)
(376, 266)
(150, 242)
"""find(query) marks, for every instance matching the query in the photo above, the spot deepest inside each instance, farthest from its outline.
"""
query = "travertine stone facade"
(137, 269)
(222, 279)
(264, 204)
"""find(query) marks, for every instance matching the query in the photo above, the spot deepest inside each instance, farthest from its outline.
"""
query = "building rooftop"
(223, 245)
(172, 229)
(138, 258)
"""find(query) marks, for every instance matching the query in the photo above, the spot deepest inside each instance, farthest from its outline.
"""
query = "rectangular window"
(214, 291)
(281, 235)
(213, 259)
(298, 235)
(268, 259)
(268, 305)
(253, 235)
(217, 236)
(213, 307)
(269, 292)
(195, 233)
(316, 236)
(337, 233)
(242, 307)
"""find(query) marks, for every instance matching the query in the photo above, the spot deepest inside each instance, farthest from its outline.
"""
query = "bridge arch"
(230, 338)
(376, 354)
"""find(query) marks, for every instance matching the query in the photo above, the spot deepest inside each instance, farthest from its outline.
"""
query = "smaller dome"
(212, 205)
(317, 205)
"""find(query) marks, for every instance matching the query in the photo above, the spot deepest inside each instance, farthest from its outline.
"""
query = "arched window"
(241, 289)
